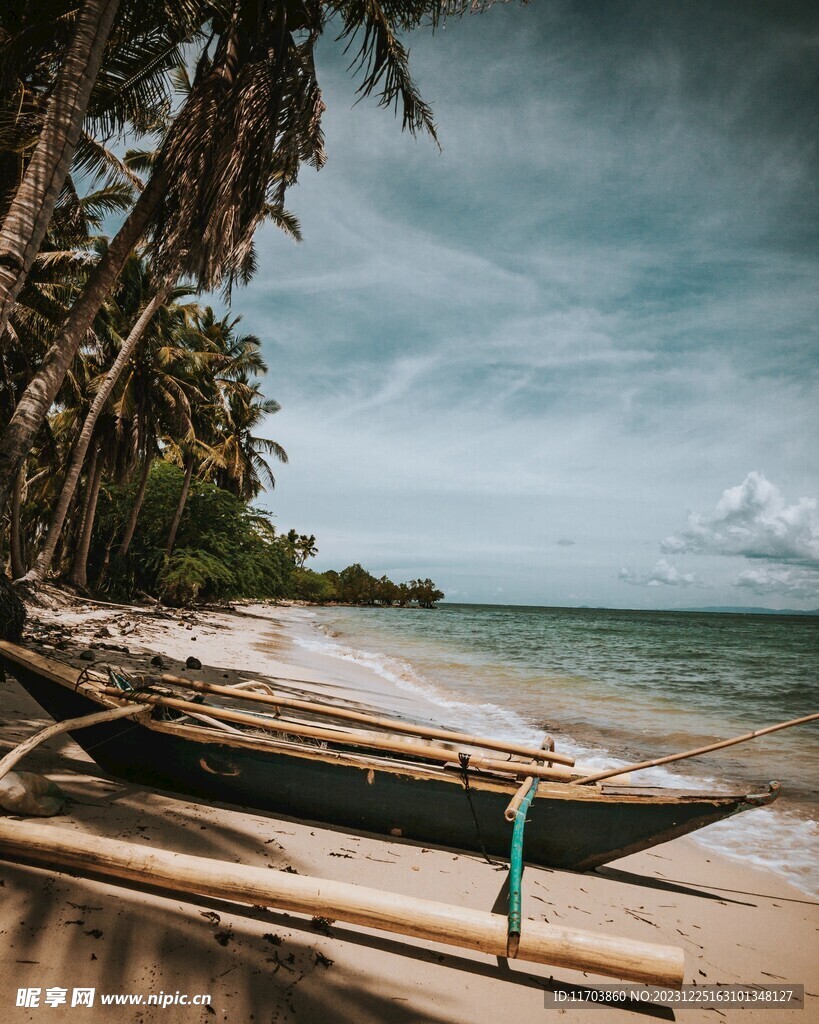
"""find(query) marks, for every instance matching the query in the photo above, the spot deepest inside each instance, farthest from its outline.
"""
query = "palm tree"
(29, 215)
(244, 471)
(252, 117)
(153, 398)
(17, 549)
(306, 548)
(51, 285)
(188, 385)
(96, 468)
(112, 69)
(188, 454)
(43, 563)
(197, 446)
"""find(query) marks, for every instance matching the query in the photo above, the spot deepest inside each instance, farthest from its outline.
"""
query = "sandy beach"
(736, 924)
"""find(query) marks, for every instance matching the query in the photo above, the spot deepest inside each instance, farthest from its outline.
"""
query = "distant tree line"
(225, 549)
(354, 585)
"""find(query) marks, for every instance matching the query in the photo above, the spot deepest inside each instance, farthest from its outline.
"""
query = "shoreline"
(438, 689)
(737, 923)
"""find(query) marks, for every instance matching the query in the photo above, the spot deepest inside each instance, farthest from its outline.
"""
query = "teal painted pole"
(516, 869)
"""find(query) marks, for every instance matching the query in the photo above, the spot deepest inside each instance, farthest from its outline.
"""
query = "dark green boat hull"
(567, 827)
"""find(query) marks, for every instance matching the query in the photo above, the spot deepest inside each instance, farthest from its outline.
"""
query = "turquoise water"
(619, 686)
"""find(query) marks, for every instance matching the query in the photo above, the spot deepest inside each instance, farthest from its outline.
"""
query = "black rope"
(84, 676)
(464, 760)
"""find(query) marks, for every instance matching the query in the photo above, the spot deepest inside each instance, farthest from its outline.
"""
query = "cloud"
(754, 520)
(662, 575)
(793, 581)
(537, 332)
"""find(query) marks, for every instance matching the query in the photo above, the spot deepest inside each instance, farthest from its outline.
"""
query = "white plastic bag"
(29, 794)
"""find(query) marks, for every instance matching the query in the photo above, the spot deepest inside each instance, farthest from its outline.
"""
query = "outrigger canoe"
(268, 762)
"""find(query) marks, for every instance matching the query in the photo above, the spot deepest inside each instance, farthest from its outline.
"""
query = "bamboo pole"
(540, 942)
(357, 739)
(599, 776)
(512, 810)
(20, 751)
(518, 798)
(394, 725)
(516, 873)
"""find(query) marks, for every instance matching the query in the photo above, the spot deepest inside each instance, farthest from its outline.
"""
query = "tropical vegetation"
(142, 143)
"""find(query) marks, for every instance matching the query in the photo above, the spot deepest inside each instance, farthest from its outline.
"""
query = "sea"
(616, 687)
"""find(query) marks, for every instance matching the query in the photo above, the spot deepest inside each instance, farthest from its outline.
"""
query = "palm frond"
(140, 160)
(382, 59)
(115, 197)
(93, 158)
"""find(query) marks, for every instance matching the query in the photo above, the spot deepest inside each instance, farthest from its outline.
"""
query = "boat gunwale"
(61, 673)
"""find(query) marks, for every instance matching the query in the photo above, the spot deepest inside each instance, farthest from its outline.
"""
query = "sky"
(569, 358)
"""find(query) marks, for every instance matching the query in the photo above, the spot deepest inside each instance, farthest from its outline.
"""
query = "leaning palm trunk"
(196, 131)
(180, 508)
(29, 215)
(89, 476)
(249, 122)
(79, 570)
(17, 552)
(130, 527)
(42, 565)
(36, 400)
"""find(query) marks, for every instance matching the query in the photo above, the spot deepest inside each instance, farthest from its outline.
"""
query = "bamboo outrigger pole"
(693, 753)
(369, 740)
(516, 872)
(520, 795)
(70, 724)
(570, 948)
(394, 725)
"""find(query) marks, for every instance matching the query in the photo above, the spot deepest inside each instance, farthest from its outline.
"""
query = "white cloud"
(793, 581)
(753, 519)
(662, 575)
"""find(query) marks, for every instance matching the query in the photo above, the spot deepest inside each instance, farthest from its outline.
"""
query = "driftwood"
(373, 741)
(394, 725)
(432, 922)
(694, 753)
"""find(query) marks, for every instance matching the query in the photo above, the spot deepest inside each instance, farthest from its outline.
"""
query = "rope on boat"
(464, 761)
(516, 872)
(83, 677)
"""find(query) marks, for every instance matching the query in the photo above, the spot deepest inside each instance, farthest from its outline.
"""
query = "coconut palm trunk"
(29, 215)
(130, 527)
(92, 466)
(180, 508)
(79, 570)
(17, 549)
(38, 571)
(36, 400)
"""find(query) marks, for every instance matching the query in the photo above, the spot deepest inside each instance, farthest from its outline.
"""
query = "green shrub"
(224, 549)
(307, 585)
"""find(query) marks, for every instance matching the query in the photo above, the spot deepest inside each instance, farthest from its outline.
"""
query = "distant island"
(730, 610)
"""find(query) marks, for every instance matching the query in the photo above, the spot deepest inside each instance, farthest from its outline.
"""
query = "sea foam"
(772, 838)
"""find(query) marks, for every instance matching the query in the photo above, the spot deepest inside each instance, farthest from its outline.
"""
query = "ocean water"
(615, 687)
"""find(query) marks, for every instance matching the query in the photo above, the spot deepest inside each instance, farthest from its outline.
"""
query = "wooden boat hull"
(571, 827)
